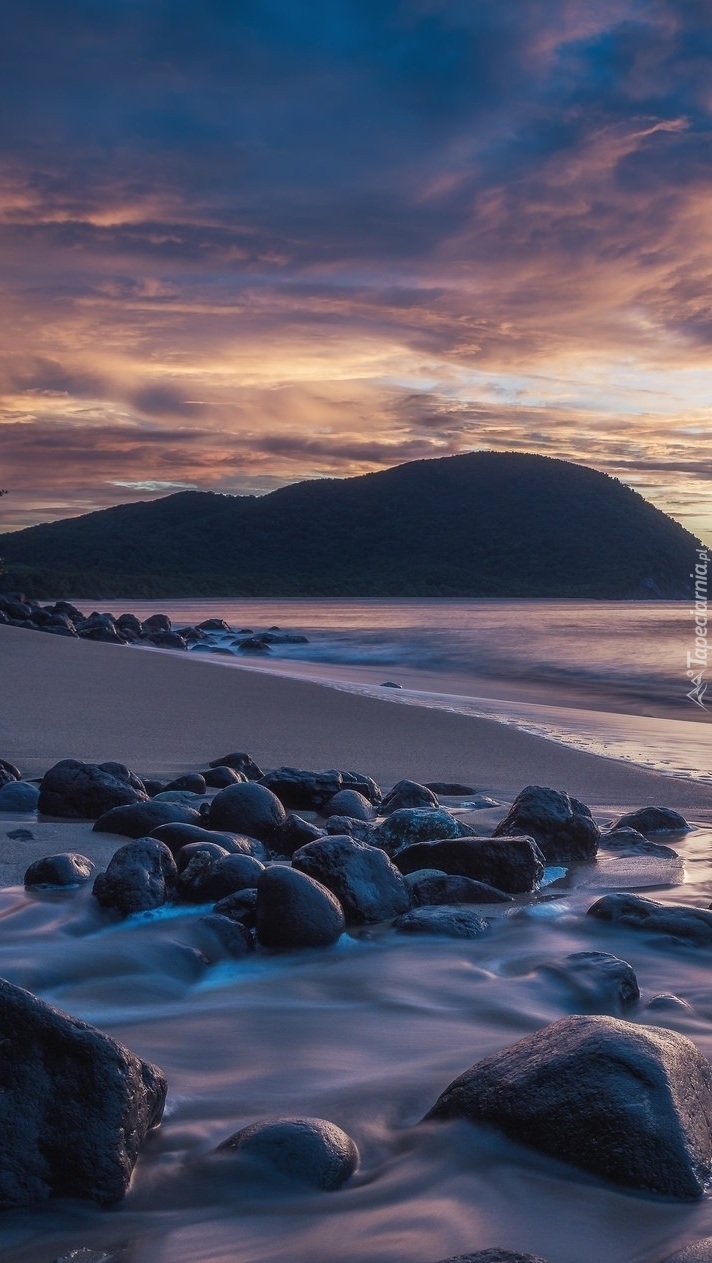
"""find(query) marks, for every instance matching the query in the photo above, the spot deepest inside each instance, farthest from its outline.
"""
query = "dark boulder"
(214, 625)
(445, 922)
(348, 802)
(302, 790)
(310, 1151)
(221, 777)
(242, 906)
(366, 883)
(432, 887)
(232, 937)
(157, 623)
(75, 1106)
(83, 791)
(138, 820)
(450, 789)
(253, 645)
(240, 762)
(408, 794)
(166, 640)
(129, 623)
(630, 842)
(410, 825)
(57, 628)
(67, 609)
(19, 796)
(514, 865)
(562, 827)
(65, 869)
(8, 772)
(177, 836)
(210, 851)
(596, 981)
(293, 910)
(249, 808)
(653, 820)
(193, 782)
(141, 876)
(677, 921)
(631, 1104)
(206, 879)
(361, 829)
(293, 833)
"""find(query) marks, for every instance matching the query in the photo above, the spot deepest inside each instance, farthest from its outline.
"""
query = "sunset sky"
(247, 242)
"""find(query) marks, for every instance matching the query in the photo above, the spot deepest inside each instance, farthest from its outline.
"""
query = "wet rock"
(214, 625)
(205, 879)
(8, 772)
(302, 790)
(450, 789)
(83, 791)
(562, 827)
(242, 906)
(630, 842)
(653, 820)
(249, 808)
(391, 684)
(368, 886)
(628, 1103)
(597, 982)
(308, 1150)
(157, 623)
(678, 922)
(695, 1252)
(192, 782)
(221, 777)
(167, 640)
(253, 645)
(409, 825)
(348, 802)
(361, 829)
(130, 623)
(430, 886)
(19, 796)
(667, 1003)
(514, 865)
(494, 1255)
(240, 762)
(293, 833)
(139, 820)
(179, 835)
(293, 910)
(185, 856)
(446, 922)
(233, 936)
(65, 869)
(76, 1106)
(408, 794)
(141, 875)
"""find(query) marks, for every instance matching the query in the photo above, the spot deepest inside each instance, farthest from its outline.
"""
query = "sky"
(249, 242)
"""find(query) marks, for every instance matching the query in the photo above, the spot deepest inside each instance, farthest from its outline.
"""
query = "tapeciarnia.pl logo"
(697, 661)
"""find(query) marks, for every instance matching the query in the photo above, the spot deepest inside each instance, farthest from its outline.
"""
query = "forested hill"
(482, 524)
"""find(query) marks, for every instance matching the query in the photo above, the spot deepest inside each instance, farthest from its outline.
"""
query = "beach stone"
(630, 842)
(309, 1150)
(410, 825)
(366, 883)
(205, 879)
(65, 869)
(514, 865)
(8, 772)
(129, 622)
(677, 921)
(141, 876)
(192, 782)
(167, 640)
(494, 1255)
(139, 819)
(432, 887)
(187, 853)
(562, 827)
(75, 1106)
(240, 762)
(361, 829)
(301, 790)
(184, 796)
(253, 644)
(19, 796)
(629, 1103)
(348, 802)
(665, 1002)
(446, 922)
(390, 684)
(293, 833)
(597, 981)
(242, 906)
(450, 789)
(157, 623)
(83, 791)
(249, 808)
(221, 777)
(695, 1252)
(408, 794)
(653, 820)
(214, 625)
(176, 836)
(67, 609)
(294, 910)
(233, 936)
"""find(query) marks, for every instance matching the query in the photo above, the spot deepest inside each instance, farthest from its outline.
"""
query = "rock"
(692, 925)
(60, 627)
(214, 625)
(293, 833)
(184, 796)
(19, 796)
(562, 827)
(130, 623)
(205, 878)
(232, 935)
(409, 825)
(157, 623)
(450, 789)
(293, 910)
(141, 875)
(65, 869)
(139, 820)
(192, 782)
(177, 836)
(308, 1150)
(666, 1003)
(653, 820)
(361, 829)
(20, 835)
(631, 1104)
(301, 790)
(366, 883)
(221, 777)
(83, 791)
(249, 808)
(242, 906)
(495, 1255)
(630, 842)
(408, 794)
(391, 684)
(446, 922)
(695, 1252)
(8, 772)
(348, 802)
(514, 865)
(432, 887)
(597, 981)
(240, 762)
(167, 640)
(253, 644)
(76, 1106)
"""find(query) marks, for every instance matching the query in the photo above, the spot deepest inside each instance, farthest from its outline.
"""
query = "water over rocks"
(676, 921)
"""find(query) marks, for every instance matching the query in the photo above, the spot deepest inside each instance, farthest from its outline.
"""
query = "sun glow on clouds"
(275, 255)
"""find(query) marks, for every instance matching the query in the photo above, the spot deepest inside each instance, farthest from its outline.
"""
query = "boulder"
(348, 802)
(19, 796)
(366, 883)
(410, 825)
(76, 1106)
(310, 1151)
(65, 869)
(83, 791)
(157, 623)
(253, 644)
(514, 865)
(179, 835)
(232, 936)
(596, 981)
(653, 820)
(562, 827)
(631, 1104)
(677, 921)
(293, 910)
(430, 886)
(293, 833)
(361, 829)
(129, 623)
(221, 777)
(240, 762)
(630, 842)
(138, 820)
(141, 876)
(187, 853)
(166, 640)
(204, 879)
(301, 790)
(408, 794)
(248, 808)
(8, 772)
(191, 782)
(445, 922)
(214, 625)
(242, 906)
